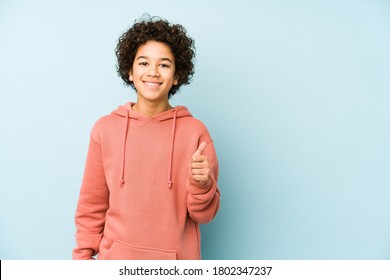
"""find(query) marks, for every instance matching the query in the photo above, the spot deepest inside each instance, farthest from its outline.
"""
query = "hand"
(200, 168)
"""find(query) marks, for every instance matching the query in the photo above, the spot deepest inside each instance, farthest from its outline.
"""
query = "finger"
(199, 172)
(200, 149)
(200, 158)
(201, 178)
(199, 165)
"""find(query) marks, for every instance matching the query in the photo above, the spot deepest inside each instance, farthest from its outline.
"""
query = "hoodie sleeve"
(203, 200)
(92, 205)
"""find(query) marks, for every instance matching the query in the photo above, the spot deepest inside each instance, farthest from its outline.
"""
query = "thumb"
(200, 149)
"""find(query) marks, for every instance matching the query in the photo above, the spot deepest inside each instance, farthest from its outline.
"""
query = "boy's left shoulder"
(195, 123)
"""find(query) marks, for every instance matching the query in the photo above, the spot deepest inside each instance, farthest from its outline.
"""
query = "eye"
(164, 65)
(143, 63)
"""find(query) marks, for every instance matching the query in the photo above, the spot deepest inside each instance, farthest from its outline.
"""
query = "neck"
(150, 108)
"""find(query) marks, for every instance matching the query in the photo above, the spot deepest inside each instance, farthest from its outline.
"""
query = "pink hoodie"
(137, 199)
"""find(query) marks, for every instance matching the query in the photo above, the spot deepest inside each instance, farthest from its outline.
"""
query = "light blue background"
(295, 93)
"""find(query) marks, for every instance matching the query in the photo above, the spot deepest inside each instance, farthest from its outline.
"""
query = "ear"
(131, 78)
(176, 80)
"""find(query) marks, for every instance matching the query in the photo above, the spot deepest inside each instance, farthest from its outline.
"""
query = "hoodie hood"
(128, 114)
(126, 110)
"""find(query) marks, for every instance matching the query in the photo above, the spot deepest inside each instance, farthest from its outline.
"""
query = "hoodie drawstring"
(126, 129)
(122, 179)
(171, 151)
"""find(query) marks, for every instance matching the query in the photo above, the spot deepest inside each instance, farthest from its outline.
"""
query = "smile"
(152, 84)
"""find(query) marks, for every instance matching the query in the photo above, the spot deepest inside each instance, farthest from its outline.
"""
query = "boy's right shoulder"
(106, 123)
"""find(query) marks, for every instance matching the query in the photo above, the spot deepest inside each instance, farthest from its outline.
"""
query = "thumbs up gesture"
(200, 168)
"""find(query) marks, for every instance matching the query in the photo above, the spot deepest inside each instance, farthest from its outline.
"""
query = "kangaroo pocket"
(123, 251)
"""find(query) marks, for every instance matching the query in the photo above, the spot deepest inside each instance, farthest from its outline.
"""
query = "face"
(153, 72)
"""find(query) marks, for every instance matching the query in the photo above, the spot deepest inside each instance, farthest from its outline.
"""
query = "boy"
(151, 170)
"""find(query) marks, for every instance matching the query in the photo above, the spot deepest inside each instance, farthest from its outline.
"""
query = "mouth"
(152, 85)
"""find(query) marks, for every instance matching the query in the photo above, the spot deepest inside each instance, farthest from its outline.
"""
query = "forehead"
(154, 50)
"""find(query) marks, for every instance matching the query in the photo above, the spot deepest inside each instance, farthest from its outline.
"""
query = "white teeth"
(152, 84)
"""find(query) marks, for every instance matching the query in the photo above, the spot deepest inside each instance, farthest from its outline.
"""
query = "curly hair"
(159, 30)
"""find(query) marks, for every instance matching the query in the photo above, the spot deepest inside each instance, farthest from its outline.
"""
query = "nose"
(153, 71)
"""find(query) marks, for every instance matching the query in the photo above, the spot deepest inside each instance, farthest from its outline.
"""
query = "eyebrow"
(161, 59)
